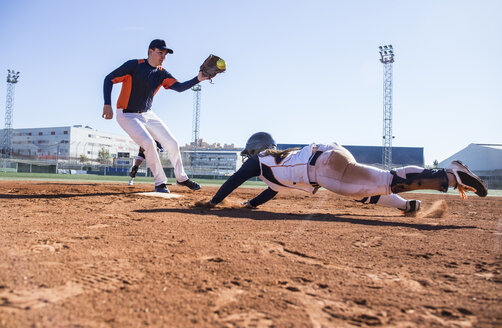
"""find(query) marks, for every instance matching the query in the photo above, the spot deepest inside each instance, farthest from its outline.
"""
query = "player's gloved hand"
(248, 205)
(210, 67)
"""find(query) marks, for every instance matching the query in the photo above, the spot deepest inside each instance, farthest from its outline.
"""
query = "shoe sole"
(468, 178)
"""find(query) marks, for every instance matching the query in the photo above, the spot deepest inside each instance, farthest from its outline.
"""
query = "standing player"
(139, 160)
(334, 168)
(141, 79)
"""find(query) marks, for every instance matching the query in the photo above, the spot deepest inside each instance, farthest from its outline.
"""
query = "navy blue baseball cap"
(160, 44)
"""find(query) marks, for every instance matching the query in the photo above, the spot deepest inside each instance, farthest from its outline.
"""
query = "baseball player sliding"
(334, 168)
(141, 79)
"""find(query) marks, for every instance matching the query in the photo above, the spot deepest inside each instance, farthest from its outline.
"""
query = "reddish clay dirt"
(100, 255)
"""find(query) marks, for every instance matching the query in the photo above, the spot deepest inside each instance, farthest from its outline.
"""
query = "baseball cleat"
(466, 180)
(412, 206)
(190, 184)
(162, 188)
(131, 181)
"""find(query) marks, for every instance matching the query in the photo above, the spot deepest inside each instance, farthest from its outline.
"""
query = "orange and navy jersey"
(140, 83)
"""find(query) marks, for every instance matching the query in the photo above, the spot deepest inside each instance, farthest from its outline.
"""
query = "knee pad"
(427, 179)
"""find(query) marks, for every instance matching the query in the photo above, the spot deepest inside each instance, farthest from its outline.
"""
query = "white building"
(68, 146)
(69, 143)
(483, 159)
(212, 162)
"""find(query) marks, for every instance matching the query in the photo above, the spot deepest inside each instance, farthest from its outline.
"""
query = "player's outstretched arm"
(262, 198)
(182, 86)
(250, 169)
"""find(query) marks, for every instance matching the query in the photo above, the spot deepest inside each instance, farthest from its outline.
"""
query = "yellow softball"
(221, 64)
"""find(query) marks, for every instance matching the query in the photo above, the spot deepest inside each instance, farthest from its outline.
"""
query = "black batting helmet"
(258, 142)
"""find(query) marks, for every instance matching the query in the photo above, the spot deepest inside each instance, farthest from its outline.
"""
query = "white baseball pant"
(144, 129)
(338, 171)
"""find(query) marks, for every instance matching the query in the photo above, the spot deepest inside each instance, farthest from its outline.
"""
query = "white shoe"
(131, 182)
(412, 206)
(466, 180)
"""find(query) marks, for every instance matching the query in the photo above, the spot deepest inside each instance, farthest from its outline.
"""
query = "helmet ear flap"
(245, 153)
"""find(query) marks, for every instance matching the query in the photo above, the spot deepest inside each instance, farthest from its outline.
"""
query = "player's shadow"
(22, 195)
(61, 195)
(320, 217)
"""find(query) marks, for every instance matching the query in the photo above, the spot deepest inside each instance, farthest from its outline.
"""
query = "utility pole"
(12, 78)
(387, 58)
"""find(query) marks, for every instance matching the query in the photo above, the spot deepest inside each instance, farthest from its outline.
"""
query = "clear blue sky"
(305, 71)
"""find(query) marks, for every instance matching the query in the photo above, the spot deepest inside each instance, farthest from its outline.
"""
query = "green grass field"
(107, 178)
(125, 179)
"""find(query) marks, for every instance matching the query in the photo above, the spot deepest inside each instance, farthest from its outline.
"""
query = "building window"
(40, 133)
(53, 133)
(65, 132)
(29, 133)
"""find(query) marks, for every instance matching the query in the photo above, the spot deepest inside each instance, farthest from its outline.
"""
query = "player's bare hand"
(107, 112)
(205, 204)
(248, 205)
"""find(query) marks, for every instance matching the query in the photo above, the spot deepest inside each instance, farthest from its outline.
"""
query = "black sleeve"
(250, 168)
(264, 197)
(180, 87)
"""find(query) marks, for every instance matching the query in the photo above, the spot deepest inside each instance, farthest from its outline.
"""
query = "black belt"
(134, 111)
(315, 157)
(312, 162)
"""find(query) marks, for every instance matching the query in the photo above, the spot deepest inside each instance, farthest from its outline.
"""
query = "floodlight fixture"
(12, 76)
(386, 54)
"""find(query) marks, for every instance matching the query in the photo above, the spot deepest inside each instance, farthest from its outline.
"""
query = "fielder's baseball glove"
(212, 66)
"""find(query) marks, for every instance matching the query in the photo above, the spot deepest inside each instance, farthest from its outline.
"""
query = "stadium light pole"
(12, 79)
(195, 124)
(387, 58)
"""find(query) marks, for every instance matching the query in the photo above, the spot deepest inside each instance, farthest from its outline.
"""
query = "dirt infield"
(100, 255)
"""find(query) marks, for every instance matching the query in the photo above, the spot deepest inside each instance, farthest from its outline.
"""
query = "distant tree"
(104, 156)
(84, 159)
(435, 163)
